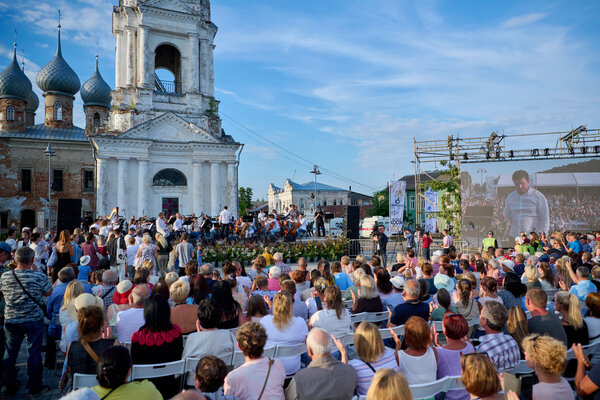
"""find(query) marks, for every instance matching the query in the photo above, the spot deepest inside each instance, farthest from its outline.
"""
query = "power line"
(304, 160)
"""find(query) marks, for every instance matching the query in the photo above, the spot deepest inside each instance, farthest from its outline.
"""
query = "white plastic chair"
(184, 338)
(140, 371)
(386, 334)
(454, 383)
(356, 318)
(348, 304)
(238, 357)
(347, 339)
(84, 381)
(290, 351)
(429, 390)
(377, 316)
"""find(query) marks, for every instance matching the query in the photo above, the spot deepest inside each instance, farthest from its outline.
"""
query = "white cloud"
(525, 19)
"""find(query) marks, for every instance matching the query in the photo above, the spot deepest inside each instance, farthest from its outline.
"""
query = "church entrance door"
(170, 206)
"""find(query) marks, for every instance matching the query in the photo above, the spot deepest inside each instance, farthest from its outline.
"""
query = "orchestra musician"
(301, 231)
(273, 226)
(161, 225)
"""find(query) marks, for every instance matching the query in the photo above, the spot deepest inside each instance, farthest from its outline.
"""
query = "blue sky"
(348, 84)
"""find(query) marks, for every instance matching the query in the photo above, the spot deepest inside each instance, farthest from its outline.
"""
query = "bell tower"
(164, 38)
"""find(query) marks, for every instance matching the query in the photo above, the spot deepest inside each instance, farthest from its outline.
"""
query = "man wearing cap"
(395, 298)
(490, 241)
(65, 276)
(24, 318)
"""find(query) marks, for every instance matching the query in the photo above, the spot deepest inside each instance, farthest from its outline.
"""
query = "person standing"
(23, 289)
(426, 245)
(117, 253)
(225, 221)
(446, 242)
(184, 250)
(381, 240)
(490, 241)
(320, 221)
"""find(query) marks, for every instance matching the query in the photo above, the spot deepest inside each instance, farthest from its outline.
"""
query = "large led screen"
(510, 197)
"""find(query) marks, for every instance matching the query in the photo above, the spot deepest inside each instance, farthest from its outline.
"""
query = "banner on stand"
(397, 189)
(430, 209)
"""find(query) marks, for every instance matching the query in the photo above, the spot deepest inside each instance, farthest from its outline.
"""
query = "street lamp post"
(50, 153)
(315, 171)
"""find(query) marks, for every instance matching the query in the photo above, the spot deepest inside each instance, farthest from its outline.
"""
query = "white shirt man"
(302, 223)
(178, 224)
(525, 207)
(161, 225)
(261, 216)
(225, 216)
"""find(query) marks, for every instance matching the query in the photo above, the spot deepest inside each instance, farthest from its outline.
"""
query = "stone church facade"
(148, 145)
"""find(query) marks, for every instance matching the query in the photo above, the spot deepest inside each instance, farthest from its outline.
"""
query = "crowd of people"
(493, 309)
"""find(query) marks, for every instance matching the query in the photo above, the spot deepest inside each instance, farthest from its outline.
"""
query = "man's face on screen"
(522, 185)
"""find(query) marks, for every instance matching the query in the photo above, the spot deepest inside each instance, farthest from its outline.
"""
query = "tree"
(244, 200)
(381, 201)
(448, 183)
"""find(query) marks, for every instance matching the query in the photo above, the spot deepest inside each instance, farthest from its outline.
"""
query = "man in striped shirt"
(502, 349)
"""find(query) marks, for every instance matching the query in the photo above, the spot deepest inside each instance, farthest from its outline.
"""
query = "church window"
(96, 120)
(58, 180)
(58, 111)
(25, 180)
(169, 177)
(341, 202)
(88, 180)
(10, 113)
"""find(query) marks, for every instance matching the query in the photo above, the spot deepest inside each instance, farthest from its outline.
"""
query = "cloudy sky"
(348, 84)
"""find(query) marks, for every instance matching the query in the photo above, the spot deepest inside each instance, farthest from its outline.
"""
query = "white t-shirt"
(328, 320)
(104, 231)
(129, 322)
(244, 281)
(293, 334)
(131, 253)
(417, 370)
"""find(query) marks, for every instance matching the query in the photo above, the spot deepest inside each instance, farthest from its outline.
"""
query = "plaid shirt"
(502, 350)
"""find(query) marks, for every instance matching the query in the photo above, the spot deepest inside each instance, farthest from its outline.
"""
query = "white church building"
(163, 148)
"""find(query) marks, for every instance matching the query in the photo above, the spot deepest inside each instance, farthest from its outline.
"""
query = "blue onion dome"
(57, 76)
(13, 82)
(95, 91)
(33, 102)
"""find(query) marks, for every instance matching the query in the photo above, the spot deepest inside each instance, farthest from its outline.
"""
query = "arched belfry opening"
(167, 69)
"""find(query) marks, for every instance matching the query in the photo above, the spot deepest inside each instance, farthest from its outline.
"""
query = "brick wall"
(67, 110)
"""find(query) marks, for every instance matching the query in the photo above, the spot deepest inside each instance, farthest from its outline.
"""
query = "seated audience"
(385, 288)
(210, 377)
(83, 354)
(531, 273)
(444, 301)
(513, 291)
(353, 290)
(260, 287)
(428, 276)
(120, 301)
(258, 374)
(464, 302)
(388, 384)
(487, 289)
(114, 368)
(342, 280)
(208, 339)
(299, 308)
(283, 328)
(542, 321)
(517, 326)
(334, 317)
(583, 286)
(257, 308)
(274, 273)
(231, 312)
(372, 354)
(548, 358)
(73, 290)
(592, 321)
(418, 362)
(546, 276)
(158, 341)
(199, 289)
(480, 377)
(567, 304)
(501, 349)
(455, 329)
(588, 384)
(315, 302)
(259, 267)
(302, 284)
(368, 300)
(325, 377)
(390, 302)
(412, 306)
(182, 314)
(129, 321)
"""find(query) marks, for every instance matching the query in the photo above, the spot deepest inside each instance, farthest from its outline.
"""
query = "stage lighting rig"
(569, 137)
(534, 153)
(546, 152)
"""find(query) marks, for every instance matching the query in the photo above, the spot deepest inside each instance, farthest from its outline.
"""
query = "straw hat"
(83, 300)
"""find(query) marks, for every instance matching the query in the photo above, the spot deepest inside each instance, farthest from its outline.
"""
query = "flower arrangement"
(329, 249)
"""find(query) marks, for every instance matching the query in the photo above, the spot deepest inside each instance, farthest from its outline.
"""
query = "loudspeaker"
(351, 222)
(69, 214)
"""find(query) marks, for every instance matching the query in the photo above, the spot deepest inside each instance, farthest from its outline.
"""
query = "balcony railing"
(166, 87)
